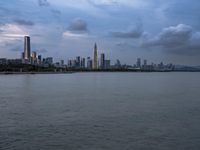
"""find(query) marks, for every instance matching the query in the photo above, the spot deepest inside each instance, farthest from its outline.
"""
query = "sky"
(156, 30)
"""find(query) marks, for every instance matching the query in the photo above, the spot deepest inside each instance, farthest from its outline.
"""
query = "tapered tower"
(95, 58)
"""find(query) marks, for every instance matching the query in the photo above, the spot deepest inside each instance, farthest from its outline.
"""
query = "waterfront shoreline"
(32, 73)
(97, 71)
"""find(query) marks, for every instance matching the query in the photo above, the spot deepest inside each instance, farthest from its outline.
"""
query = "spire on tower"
(95, 46)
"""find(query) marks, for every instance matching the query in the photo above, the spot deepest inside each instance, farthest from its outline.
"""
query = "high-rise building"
(107, 64)
(3, 61)
(118, 64)
(39, 59)
(34, 56)
(69, 64)
(78, 62)
(82, 62)
(49, 60)
(89, 63)
(102, 61)
(27, 48)
(62, 62)
(95, 58)
(139, 63)
(74, 63)
(145, 62)
(22, 57)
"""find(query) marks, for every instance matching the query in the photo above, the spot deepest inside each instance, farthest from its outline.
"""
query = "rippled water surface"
(100, 111)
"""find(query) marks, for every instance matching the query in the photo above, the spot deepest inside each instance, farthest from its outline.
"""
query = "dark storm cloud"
(24, 22)
(188, 50)
(43, 3)
(135, 32)
(173, 36)
(78, 25)
(178, 39)
(131, 34)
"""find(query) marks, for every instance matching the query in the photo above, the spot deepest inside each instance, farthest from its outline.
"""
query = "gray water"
(100, 111)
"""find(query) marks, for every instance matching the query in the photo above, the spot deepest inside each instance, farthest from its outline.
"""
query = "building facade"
(102, 61)
(95, 58)
(27, 48)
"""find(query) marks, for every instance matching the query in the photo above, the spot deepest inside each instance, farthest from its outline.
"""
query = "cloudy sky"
(156, 30)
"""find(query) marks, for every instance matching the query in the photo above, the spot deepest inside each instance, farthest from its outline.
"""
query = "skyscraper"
(39, 59)
(82, 62)
(34, 58)
(95, 58)
(118, 64)
(89, 63)
(62, 62)
(107, 64)
(78, 62)
(22, 57)
(102, 61)
(139, 62)
(145, 63)
(49, 60)
(27, 48)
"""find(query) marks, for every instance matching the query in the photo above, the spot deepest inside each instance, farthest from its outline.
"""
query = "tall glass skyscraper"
(102, 61)
(95, 58)
(27, 48)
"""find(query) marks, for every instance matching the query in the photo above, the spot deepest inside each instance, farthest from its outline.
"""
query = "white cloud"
(11, 33)
(68, 34)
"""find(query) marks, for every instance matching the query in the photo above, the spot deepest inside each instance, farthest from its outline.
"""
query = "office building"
(22, 56)
(102, 61)
(72, 63)
(118, 64)
(39, 59)
(34, 56)
(69, 63)
(89, 63)
(145, 62)
(107, 64)
(82, 62)
(49, 60)
(138, 63)
(14, 61)
(3, 61)
(62, 62)
(27, 48)
(95, 58)
(78, 62)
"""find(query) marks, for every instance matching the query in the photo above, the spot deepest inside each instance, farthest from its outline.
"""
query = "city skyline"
(97, 62)
(122, 29)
